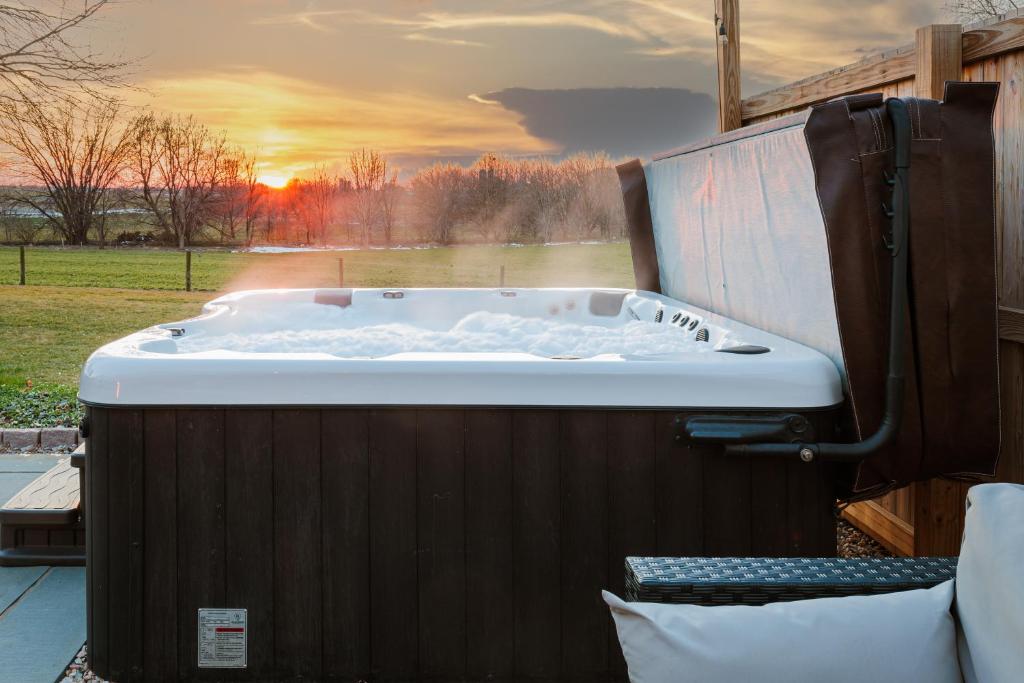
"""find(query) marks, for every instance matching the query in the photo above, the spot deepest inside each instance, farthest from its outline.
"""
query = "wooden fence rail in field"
(927, 518)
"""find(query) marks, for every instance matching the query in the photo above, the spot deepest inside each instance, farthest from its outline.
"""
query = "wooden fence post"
(188, 270)
(21, 257)
(938, 503)
(727, 38)
(501, 277)
(341, 272)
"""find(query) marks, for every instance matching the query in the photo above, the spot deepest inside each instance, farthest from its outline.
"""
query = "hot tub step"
(42, 523)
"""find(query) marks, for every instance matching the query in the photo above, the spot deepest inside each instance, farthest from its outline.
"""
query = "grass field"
(79, 299)
(217, 270)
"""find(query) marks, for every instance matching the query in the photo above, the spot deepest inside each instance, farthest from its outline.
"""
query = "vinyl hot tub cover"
(784, 226)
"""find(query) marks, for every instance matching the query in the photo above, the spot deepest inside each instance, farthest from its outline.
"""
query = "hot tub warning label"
(222, 638)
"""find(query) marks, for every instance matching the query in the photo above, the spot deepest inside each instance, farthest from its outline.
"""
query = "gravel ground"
(853, 542)
(77, 670)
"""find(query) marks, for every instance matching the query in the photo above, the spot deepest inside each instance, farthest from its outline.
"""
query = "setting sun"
(273, 180)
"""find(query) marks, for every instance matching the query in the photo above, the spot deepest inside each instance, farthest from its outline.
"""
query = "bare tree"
(490, 196)
(240, 198)
(389, 196)
(967, 11)
(40, 60)
(314, 203)
(179, 167)
(591, 181)
(16, 225)
(369, 175)
(322, 200)
(74, 155)
(275, 215)
(255, 199)
(439, 193)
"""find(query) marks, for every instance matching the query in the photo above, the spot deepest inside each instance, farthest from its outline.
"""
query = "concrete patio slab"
(18, 471)
(43, 629)
(33, 462)
(14, 581)
(12, 482)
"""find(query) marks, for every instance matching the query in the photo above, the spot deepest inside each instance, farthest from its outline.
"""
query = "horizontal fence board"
(993, 39)
(1011, 324)
(885, 526)
(979, 42)
(868, 73)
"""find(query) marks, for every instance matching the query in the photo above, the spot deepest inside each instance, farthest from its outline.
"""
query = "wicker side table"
(759, 580)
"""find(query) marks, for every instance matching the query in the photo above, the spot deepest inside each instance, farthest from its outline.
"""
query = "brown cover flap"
(638, 220)
(951, 415)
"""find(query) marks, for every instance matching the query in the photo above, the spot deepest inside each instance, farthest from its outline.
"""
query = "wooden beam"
(939, 507)
(727, 38)
(939, 59)
(986, 41)
(869, 73)
(938, 504)
(1011, 324)
(896, 534)
(978, 42)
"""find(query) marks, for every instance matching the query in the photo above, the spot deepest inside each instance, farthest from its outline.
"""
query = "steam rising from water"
(479, 332)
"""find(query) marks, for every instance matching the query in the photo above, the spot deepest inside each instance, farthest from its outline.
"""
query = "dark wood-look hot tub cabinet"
(404, 544)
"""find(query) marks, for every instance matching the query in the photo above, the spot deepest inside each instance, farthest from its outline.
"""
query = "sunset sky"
(305, 82)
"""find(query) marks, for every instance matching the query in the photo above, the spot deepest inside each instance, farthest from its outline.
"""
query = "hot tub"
(416, 484)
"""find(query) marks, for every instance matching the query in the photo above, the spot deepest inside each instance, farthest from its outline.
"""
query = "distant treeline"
(89, 175)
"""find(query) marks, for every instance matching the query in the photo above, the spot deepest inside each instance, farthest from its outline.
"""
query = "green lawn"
(79, 299)
(46, 333)
(217, 270)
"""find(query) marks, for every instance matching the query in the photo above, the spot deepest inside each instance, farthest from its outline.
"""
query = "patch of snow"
(289, 250)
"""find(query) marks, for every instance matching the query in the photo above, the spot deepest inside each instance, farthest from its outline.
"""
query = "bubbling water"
(478, 332)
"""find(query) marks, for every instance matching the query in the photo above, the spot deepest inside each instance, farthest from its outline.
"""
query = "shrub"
(52, 406)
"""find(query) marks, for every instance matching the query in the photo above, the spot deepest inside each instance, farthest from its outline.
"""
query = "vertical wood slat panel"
(124, 553)
(769, 504)
(727, 498)
(160, 576)
(584, 557)
(632, 512)
(86, 486)
(1011, 459)
(805, 508)
(346, 543)
(563, 497)
(490, 577)
(200, 527)
(97, 566)
(441, 550)
(537, 541)
(298, 573)
(393, 569)
(249, 520)
(137, 538)
(679, 491)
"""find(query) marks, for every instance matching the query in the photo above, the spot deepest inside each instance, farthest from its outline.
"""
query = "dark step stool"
(43, 523)
(760, 580)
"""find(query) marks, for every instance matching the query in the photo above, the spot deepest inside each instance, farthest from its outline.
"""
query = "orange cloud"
(296, 124)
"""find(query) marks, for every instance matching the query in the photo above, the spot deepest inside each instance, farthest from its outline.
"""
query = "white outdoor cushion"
(990, 585)
(900, 637)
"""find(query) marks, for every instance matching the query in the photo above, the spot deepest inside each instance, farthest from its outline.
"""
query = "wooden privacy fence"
(927, 518)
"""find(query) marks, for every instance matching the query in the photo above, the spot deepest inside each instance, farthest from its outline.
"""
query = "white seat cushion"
(904, 637)
(990, 585)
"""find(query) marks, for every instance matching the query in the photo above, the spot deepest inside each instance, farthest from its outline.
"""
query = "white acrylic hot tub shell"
(129, 372)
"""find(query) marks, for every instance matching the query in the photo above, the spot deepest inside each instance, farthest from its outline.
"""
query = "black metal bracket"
(807, 449)
(732, 429)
